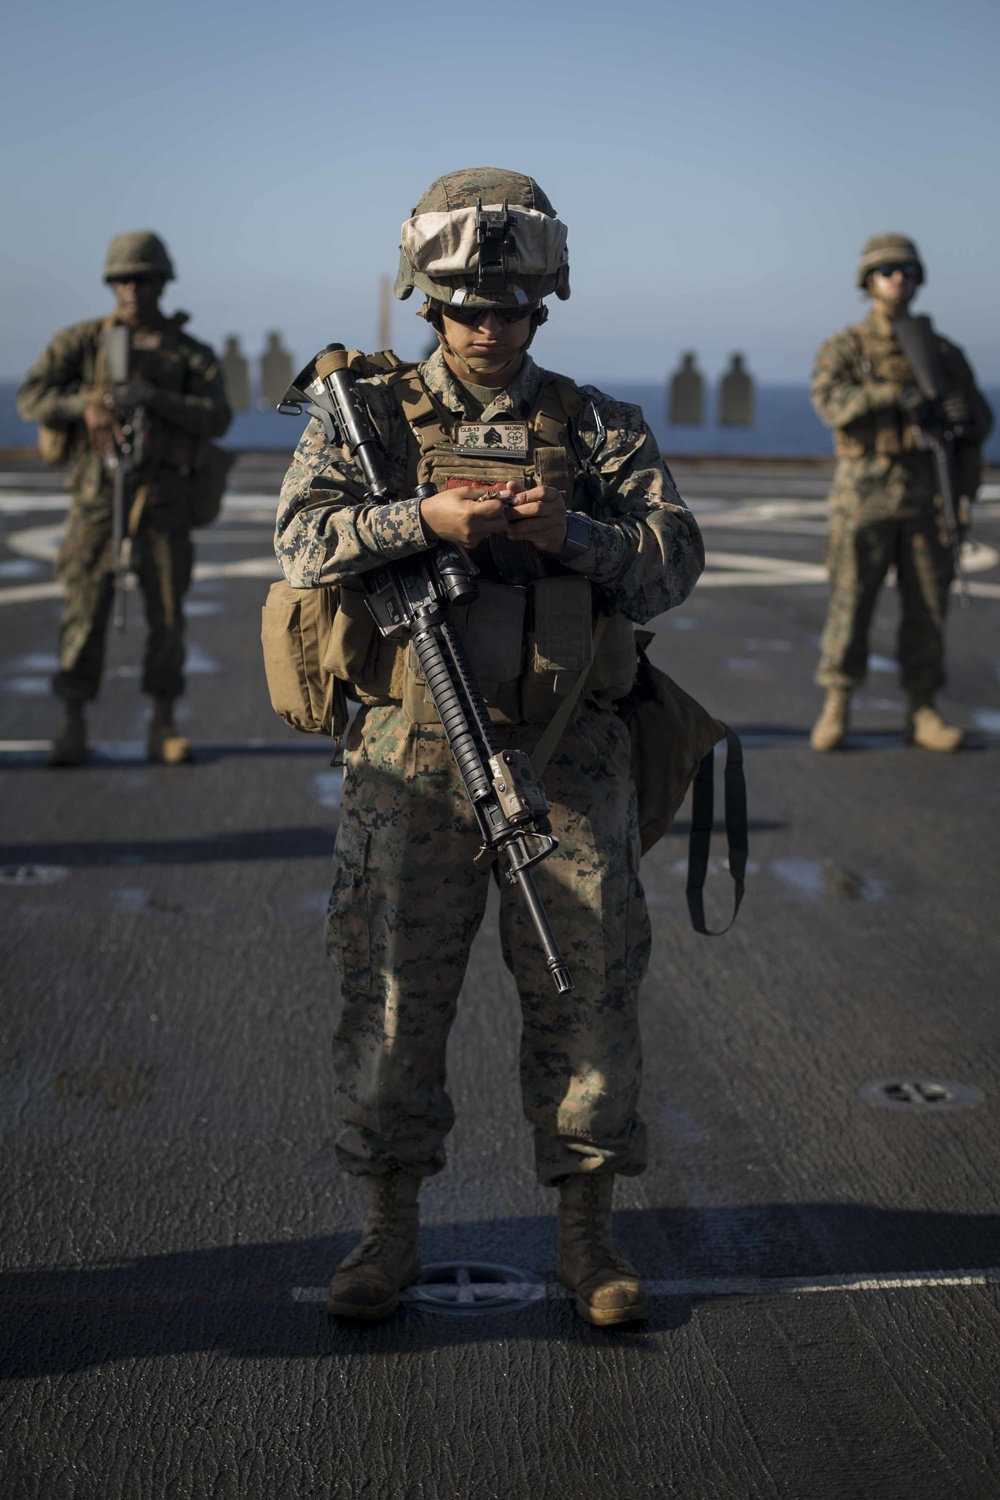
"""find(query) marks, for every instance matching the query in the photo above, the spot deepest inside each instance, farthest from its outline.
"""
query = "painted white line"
(737, 570)
(27, 593)
(39, 542)
(762, 512)
(743, 570)
(255, 507)
(745, 561)
(739, 1286)
(248, 567)
(757, 572)
(129, 750)
(977, 557)
(16, 502)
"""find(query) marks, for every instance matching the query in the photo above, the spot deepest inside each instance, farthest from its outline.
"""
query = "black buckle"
(493, 232)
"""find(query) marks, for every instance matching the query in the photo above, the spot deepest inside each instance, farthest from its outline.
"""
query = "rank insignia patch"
(484, 438)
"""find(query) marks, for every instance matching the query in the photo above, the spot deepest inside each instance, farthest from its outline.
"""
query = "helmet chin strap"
(433, 315)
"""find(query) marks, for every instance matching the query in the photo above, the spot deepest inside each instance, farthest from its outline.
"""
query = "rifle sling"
(554, 729)
(702, 815)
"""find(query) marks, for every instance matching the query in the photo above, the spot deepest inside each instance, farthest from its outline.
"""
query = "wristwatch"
(578, 536)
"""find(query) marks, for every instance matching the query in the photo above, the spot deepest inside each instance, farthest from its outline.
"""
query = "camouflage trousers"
(162, 561)
(859, 554)
(406, 903)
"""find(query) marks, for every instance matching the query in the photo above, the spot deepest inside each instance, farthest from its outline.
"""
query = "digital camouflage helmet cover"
(887, 250)
(137, 252)
(483, 237)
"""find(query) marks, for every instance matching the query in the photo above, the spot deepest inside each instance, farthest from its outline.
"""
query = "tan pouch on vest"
(357, 653)
(295, 631)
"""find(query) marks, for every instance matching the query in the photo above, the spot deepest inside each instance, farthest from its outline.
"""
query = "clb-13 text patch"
(507, 438)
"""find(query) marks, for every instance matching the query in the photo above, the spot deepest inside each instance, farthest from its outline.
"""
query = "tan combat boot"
(69, 748)
(163, 743)
(830, 728)
(608, 1289)
(926, 728)
(367, 1283)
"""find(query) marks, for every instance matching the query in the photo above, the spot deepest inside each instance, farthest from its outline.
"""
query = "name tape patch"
(486, 438)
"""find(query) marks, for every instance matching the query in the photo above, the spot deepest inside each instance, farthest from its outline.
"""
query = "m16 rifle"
(410, 597)
(915, 336)
(126, 457)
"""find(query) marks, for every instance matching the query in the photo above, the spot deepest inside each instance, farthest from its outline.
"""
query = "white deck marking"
(247, 567)
(27, 593)
(744, 1286)
(753, 572)
(127, 750)
(725, 569)
(18, 502)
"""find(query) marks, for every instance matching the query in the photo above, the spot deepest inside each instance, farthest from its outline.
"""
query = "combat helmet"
(138, 252)
(886, 249)
(483, 237)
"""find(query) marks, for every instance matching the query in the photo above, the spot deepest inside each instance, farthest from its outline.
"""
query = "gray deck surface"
(166, 1103)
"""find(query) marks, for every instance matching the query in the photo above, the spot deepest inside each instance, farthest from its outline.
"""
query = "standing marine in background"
(561, 497)
(177, 385)
(885, 502)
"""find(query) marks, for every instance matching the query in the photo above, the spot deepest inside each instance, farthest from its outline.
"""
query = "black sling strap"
(702, 816)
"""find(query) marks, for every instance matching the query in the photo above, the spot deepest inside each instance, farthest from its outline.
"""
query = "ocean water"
(786, 424)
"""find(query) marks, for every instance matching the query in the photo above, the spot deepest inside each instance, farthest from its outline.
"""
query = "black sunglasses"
(141, 278)
(908, 268)
(471, 317)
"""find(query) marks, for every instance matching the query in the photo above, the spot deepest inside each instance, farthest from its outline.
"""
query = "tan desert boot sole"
(172, 750)
(609, 1317)
(830, 729)
(929, 731)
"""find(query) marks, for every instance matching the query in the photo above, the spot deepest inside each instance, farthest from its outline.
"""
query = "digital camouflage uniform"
(407, 898)
(885, 510)
(190, 408)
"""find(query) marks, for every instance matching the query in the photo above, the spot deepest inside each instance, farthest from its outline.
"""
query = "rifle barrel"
(118, 494)
(554, 960)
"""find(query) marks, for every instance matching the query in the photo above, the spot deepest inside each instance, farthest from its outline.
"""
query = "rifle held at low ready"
(411, 597)
(127, 456)
(915, 336)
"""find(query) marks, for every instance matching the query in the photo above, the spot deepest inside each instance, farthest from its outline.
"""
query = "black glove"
(957, 408)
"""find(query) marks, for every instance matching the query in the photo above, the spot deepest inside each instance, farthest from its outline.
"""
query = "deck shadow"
(237, 1300)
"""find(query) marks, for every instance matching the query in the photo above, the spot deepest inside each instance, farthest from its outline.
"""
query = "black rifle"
(915, 336)
(411, 597)
(124, 460)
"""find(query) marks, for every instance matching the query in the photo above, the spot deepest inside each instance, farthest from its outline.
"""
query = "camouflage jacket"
(882, 471)
(189, 408)
(647, 551)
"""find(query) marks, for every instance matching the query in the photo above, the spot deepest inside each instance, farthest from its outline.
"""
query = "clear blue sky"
(718, 165)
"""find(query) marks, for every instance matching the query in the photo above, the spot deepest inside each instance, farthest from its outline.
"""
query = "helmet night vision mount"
(483, 236)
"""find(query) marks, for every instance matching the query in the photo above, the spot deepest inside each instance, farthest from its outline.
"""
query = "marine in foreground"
(135, 401)
(559, 495)
(889, 506)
